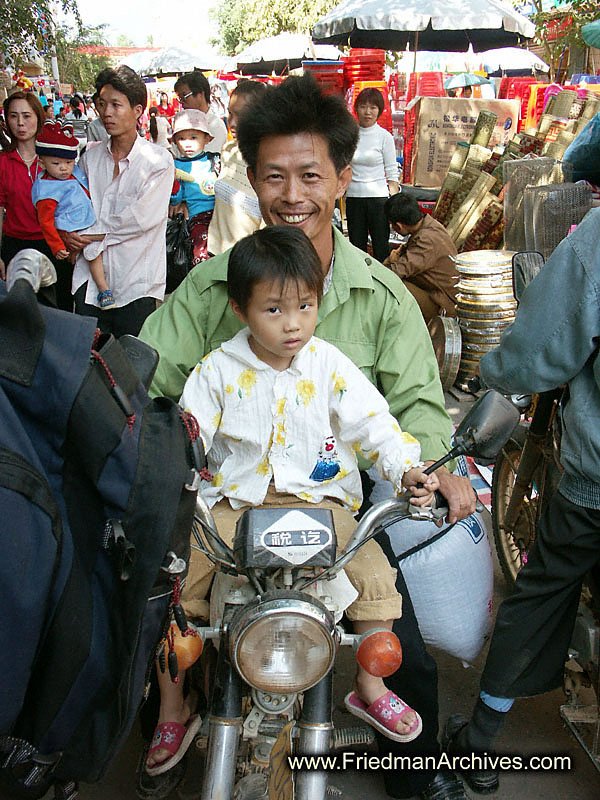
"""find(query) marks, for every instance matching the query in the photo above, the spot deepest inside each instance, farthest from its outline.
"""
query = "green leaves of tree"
(21, 25)
(242, 22)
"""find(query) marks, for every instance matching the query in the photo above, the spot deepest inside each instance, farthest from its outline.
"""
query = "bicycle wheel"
(512, 546)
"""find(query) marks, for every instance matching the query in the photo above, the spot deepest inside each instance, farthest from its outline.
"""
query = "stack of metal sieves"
(485, 304)
(550, 211)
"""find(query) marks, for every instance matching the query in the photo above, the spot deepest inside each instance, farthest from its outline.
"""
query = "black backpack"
(97, 493)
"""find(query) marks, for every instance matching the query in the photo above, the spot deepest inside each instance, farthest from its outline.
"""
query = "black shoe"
(445, 786)
(157, 787)
(482, 781)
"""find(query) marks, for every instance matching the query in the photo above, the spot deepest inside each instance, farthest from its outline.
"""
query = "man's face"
(190, 100)
(117, 116)
(297, 185)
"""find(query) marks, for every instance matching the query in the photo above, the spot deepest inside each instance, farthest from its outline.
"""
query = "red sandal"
(384, 715)
(175, 738)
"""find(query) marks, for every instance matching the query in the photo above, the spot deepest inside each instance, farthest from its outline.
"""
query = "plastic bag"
(451, 580)
(180, 251)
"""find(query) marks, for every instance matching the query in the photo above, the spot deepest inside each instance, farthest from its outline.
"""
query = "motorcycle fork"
(315, 733)
(533, 451)
(225, 727)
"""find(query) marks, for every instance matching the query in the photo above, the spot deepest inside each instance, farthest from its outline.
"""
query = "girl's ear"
(237, 310)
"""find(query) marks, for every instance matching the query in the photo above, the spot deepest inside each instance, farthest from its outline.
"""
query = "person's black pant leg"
(118, 321)
(415, 683)
(379, 227)
(356, 217)
(534, 625)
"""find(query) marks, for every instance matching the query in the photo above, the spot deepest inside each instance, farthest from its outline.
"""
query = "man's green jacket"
(367, 313)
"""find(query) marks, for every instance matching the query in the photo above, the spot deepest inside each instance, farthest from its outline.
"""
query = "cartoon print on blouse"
(327, 466)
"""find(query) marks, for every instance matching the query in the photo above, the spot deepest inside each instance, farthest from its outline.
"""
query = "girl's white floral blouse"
(299, 428)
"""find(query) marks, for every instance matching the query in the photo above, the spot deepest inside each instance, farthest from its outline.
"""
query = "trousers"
(118, 321)
(369, 570)
(535, 624)
(365, 216)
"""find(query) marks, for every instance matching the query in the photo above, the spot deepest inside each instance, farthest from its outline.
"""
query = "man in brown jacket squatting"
(424, 263)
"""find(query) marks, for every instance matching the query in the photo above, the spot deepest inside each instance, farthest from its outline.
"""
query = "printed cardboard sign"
(444, 121)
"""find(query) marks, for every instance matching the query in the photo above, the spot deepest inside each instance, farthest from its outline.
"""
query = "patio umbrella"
(464, 79)
(174, 59)
(276, 53)
(591, 33)
(423, 24)
(512, 58)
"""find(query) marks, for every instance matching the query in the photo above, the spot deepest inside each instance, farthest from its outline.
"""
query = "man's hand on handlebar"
(458, 492)
(422, 486)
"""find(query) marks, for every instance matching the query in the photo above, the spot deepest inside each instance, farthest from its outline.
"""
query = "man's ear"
(251, 178)
(139, 110)
(237, 310)
(344, 178)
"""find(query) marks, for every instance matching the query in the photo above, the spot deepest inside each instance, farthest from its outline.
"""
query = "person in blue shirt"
(549, 344)
(195, 173)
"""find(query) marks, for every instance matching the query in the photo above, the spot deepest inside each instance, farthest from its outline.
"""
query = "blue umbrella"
(591, 33)
(464, 79)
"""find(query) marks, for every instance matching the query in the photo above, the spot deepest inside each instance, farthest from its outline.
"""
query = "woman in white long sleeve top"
(374, 177)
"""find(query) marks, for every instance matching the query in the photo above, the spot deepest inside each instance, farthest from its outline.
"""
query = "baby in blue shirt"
(195, 175)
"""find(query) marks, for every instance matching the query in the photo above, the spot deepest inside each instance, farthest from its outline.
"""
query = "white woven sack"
(451, 581)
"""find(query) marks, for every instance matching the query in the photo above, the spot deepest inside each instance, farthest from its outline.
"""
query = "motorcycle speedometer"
(283, 642)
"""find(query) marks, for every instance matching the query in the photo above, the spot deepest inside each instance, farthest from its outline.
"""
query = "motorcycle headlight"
(283, 642)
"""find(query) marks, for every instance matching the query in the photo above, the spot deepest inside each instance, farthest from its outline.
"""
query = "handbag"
(180, 251)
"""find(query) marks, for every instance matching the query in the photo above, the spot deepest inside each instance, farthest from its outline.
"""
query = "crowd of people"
(212, 191)
(251, 304)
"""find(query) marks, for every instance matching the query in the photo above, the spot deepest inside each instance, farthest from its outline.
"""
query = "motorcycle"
(275, 611)
(526, 475)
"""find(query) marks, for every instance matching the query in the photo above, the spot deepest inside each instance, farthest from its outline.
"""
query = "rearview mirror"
(486, 428)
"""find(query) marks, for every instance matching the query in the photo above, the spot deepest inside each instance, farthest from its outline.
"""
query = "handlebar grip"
(475, 384)
(439, 501)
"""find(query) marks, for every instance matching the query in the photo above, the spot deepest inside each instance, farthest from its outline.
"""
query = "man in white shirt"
(130, 182)
(193, 91)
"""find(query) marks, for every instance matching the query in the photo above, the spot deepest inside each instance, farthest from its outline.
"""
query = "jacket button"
(368, 262)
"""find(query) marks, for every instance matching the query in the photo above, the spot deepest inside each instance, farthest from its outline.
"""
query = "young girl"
(62, 200)
(158, 128)
(278, 407)
(195, 175)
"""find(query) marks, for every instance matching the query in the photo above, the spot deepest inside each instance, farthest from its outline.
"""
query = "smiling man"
(298, 144)
(130, 183)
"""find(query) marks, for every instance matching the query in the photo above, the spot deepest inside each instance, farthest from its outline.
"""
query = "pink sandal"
(384, 715)
(175, 738)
